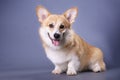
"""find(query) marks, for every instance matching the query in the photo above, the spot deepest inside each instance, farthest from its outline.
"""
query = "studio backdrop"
(98, 23)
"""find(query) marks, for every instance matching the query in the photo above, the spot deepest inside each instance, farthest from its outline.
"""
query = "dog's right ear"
(42, 13)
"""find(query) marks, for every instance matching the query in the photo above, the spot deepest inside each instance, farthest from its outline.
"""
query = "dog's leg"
(95, 67)
(97, 63)
(73, 67)
(59, 68)
(98, 66)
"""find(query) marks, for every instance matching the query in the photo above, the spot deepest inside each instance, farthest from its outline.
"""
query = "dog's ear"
(71, 14)
(42, 13)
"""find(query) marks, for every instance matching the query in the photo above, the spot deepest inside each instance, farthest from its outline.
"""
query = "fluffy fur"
(70, 53)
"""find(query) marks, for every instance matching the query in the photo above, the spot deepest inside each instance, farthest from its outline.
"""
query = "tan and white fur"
(66, 50)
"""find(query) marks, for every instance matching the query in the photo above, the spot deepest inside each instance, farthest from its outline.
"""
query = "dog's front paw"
(56, 71)
(71, 72)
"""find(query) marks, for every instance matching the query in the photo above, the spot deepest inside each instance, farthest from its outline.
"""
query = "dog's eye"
(61, 26)
(51, 25)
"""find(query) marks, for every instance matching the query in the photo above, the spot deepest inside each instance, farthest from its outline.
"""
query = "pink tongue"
(56, 43)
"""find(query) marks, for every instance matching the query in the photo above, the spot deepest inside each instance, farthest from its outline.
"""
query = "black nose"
(56, 35)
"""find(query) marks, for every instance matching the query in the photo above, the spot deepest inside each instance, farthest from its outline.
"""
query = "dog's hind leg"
(96, 62)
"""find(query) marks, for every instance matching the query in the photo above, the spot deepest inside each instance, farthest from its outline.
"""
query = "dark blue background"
(98, 23)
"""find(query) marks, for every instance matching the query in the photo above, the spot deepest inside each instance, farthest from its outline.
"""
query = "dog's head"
(55, 26)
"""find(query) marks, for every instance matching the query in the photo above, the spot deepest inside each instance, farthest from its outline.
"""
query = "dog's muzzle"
(56, 41)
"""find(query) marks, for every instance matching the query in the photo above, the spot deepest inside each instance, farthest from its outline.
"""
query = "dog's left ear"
(71, 14)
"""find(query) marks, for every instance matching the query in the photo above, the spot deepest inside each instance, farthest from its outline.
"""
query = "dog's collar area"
(54, 41)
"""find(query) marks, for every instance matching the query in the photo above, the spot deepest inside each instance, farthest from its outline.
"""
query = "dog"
(67, 50)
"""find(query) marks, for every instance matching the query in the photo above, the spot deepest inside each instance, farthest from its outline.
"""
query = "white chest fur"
(58, 56)
(62, 56)
(63, 60)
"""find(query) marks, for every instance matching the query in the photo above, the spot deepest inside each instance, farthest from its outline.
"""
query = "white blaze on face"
(56, 42)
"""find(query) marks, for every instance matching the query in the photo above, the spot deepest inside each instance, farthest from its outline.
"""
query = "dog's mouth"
(55, 42)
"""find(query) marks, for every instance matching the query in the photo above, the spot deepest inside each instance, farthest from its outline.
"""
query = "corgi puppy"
(67, 50)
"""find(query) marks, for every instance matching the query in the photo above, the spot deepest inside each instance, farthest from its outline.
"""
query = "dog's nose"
(56, 35)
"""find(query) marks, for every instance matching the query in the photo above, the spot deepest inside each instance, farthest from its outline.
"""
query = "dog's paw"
(71, 72)
(96, 68)
(56, 71)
